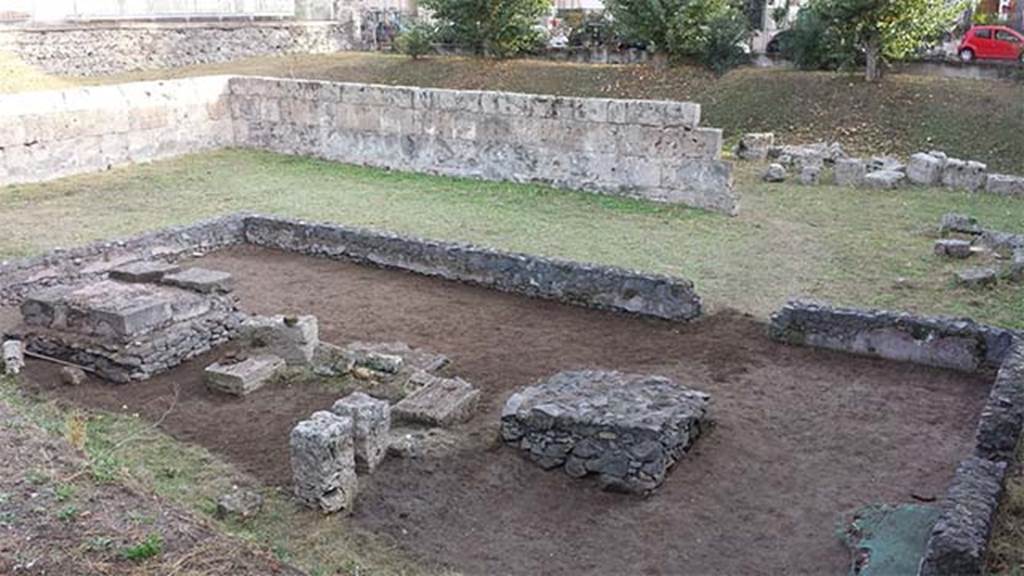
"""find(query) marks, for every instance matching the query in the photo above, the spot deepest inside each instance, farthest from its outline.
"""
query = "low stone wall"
(1002, 419)
(46, 135)
(112, 47)
(957, 343)
(570, 282)
(646, 149)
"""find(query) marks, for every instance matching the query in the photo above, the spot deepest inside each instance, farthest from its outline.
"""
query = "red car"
(991, 43)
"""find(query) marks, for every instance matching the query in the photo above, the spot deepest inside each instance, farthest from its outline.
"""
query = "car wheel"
(967, 55)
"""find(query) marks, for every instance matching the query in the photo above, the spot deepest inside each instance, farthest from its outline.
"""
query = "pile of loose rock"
(627, 429)
(963, 237)
(934, 168)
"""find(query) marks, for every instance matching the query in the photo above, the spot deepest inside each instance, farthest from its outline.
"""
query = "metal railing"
(60, 10)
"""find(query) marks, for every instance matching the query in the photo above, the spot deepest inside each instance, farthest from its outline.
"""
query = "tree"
(499, 28)
(888, 28)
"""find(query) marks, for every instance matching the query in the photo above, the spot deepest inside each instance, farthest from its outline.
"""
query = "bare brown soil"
(802, 436)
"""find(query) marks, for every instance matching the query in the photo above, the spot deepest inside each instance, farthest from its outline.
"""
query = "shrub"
(813, 44)
(152, 546)
(498, 28)
(723, 47)
(416, 40)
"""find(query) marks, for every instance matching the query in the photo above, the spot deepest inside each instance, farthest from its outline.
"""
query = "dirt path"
(802, 436)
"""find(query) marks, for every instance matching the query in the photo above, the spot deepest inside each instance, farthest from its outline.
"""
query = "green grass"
(857, 247)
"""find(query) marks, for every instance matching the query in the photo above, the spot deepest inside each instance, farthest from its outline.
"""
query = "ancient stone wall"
(646, 149)
(46, 135)
(112, 47)
(571, 282)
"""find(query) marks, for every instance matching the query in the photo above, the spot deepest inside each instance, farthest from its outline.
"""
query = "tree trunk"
(873, 70)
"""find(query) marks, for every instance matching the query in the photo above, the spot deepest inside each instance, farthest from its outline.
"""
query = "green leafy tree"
(498, 28)
(416, 40)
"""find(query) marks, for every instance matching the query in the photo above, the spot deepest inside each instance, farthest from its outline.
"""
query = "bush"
(723, 47)
(498, 28)
(416, 40)
(813, 44)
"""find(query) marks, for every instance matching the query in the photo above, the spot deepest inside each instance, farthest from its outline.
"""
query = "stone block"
(977, 277)
(13, 356)
(953, 248)
(239, 504)
(293, 338)
(1016, 272)
(1005, 185)
(201, 280)
(330, 360)
(72, 376)
(371, 426)
(962, 175)
(850, 172)
(323, 462)
(437, 401)
(959, 223)
(885, 163)
(415, 358)
(925, 170)
(242, 377)
(144, 271)
(884, 179)
(754, 146)
(810, 175)
(106, 309)
(775, 173)
(628, 429)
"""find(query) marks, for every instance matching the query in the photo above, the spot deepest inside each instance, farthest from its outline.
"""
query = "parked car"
(991, 43)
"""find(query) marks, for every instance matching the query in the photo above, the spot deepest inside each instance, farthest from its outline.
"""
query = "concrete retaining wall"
(957, 343)
(112, 47)
(570, 282)
(646, 149)
(46, 135)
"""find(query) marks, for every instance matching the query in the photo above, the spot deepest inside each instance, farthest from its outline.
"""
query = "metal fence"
(58, 10)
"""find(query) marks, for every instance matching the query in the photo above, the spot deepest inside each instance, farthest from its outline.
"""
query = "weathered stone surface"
(239, 504)
(810, 175)
(330, 360)
(371, 424)
(815, 154)
(959, 223)
(953, 248)
(437, 401)
(884, 179)
(200, 280)
(13, 357)
(144, 271)
(72, 376)
(323, 462)
(1016, 271)
(1005, 185)
(999, 428)
(571, 282)
(239, 377)
(960, 537)
(977, 277)
(774, 173)
(1004, 243)
(293, 338)
(755, 145)
(957, 343)
(885, 164)
(394, 356)
(925, 169)
(628, 429)
(963, 175)
(850, 172)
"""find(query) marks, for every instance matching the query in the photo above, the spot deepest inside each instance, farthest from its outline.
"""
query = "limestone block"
(1016, 273)
(143, 271)
(959, 223)
(884, 179)
(72, 376)
(293, 338)
(755, 145)
(13, 357)
(925, 170)
(1005, 185)
(200, 280)
(953, 248)
(437, 401)
(774, 173)
(240, 378)
(323, 462)
(887, 163)
(850, 172)
(977, 277)
(628, 429)
(371, 425)
(810, 175)
(239, 503)
(962, 175)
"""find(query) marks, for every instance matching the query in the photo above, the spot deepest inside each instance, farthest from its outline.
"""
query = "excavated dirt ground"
(802, 437)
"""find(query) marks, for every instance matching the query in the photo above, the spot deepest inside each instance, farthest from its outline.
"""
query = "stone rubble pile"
(971, 238)
(628, 429)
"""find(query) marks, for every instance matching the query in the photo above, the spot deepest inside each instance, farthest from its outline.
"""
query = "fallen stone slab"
(775, 173)
(850, 172)
(977, 277)
(13, 357)
(628, 429)
(239, 504)
(925, 169)
(884, 179)
(201, 280)
(371, 424)
(1016, 271)
(755, 145)
(242, 377)
(1005, 185)
(1004, 243)
(323, 462)
(330, 360)
(412, 358)
(961, 175)
(959, 223)
(293, 338)
(953, 248)
(810, 175)
(144, 271)
(885, 164)
(959, 539)
(437, 401)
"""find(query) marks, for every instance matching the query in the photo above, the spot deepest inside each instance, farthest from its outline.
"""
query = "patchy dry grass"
(869, 248)
(16, 76)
